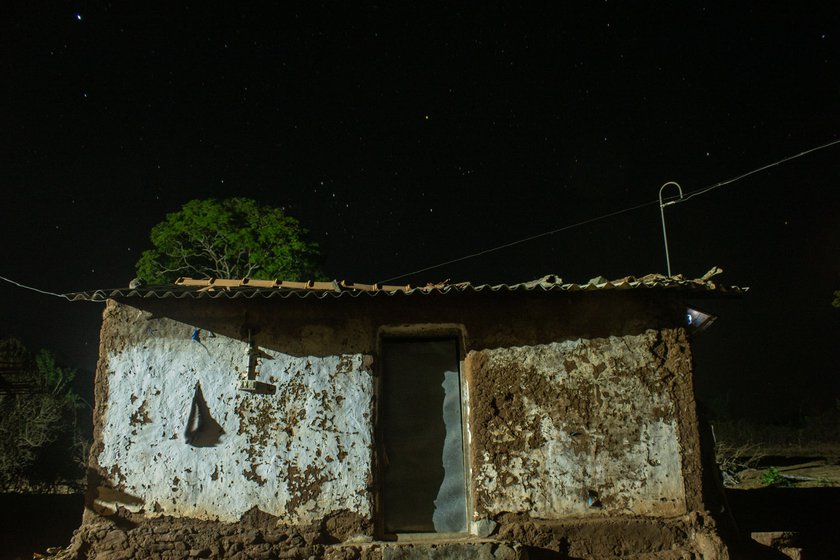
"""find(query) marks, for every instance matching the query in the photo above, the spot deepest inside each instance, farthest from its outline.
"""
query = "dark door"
(424, 487)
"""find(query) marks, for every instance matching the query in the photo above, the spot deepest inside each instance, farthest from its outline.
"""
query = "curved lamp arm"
(662, 206)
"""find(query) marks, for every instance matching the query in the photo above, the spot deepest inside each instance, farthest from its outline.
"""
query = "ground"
(776, 493)
(787, 488)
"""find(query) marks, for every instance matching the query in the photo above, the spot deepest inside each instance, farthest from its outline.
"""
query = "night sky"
(403, 137)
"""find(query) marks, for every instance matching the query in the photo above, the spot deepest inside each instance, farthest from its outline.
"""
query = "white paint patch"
(300, 454)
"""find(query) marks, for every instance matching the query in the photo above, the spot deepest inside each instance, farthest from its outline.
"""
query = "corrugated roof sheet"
(254, 289)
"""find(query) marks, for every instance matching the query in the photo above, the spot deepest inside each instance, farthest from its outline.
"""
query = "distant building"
(343, 420)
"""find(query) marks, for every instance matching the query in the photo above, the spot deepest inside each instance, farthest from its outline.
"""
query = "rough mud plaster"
(299, 454)
(675, 352)
(580, 427)
(347, 325)
(694, 536)
(330, 327)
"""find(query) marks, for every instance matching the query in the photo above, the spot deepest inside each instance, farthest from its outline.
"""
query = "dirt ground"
(813, 513)
(819, 473)
(34, 522)
(797, 494)
(803, 496)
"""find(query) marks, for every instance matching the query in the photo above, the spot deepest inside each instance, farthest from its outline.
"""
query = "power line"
(704, 190)
(531, 238)
(19, 285)
(686, 197)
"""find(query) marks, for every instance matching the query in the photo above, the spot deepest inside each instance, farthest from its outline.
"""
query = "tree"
(41, 439)
(231, 238)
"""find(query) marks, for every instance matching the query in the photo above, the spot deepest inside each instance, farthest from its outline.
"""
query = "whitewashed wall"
(301, 453)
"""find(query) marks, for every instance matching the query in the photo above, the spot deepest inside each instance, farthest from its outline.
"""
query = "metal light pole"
(662, 214)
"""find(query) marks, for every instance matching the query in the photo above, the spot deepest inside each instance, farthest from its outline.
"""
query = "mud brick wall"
(580, 427)
(577, 406)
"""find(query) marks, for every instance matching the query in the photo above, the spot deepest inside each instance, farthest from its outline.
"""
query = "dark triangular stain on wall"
(202, 430)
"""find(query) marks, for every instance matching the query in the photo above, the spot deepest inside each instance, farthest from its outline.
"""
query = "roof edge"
(251, 288)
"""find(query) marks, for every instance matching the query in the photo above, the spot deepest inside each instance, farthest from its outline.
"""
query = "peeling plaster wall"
(579, 407)
(301, 454)
(579, 427)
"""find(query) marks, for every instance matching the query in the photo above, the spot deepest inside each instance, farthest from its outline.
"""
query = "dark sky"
(403, 137)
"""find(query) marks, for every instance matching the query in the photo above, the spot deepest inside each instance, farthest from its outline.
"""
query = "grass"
(772, 477)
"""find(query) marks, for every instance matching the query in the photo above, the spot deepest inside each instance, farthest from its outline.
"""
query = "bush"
(41, 442)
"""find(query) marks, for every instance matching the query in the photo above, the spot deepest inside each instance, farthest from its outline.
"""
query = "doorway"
(424, 487)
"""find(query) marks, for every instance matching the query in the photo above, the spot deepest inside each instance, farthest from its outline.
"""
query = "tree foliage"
(41, 439)
(231, 238)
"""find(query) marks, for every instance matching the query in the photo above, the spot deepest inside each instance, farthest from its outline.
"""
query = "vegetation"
(772, 477)
(231, 238)
(816, 433)
(807, 442)
(41, 439)
(733, 460)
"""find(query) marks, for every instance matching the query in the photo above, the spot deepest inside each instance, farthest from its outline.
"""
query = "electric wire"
(19, 285)
(525, 240)
(671, 201)
(704, 190)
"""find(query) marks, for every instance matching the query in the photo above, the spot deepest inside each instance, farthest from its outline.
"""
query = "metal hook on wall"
(662, 206)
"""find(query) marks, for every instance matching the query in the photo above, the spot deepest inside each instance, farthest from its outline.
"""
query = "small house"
(339, 420)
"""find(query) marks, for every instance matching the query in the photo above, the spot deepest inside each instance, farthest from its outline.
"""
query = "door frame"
(419, 332)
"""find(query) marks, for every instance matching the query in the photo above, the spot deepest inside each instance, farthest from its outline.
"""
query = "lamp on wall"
(697, 321)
